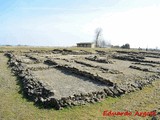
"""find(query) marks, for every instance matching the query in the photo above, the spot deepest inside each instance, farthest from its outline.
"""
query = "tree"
(126, 46)
(102, 43)
(98, 37)
(99, 41)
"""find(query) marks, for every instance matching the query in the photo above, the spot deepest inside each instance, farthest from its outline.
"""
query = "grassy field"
(45, 48)
(13, 106)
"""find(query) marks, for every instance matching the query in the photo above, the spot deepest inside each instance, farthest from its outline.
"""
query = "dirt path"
(14, 107)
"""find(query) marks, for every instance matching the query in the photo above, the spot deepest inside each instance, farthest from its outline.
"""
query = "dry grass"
(14, 106)
(27, 48)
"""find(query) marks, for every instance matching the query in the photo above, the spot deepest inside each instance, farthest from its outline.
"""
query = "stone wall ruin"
(107, 80)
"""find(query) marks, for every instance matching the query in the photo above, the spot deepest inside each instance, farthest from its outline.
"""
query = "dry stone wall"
(42, 93)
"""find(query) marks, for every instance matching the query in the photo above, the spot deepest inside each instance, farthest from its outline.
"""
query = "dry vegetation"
(14, 104)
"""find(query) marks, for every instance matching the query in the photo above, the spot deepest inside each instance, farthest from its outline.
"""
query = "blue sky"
(66, 22)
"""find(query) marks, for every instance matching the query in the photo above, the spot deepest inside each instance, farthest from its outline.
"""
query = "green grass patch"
(14, 106)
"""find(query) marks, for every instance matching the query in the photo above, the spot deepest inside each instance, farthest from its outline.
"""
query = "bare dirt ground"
(66, 84)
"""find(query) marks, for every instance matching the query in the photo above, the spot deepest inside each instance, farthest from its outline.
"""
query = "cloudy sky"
(66, 22)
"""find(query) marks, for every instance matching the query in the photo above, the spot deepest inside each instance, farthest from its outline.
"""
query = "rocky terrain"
(65, 78)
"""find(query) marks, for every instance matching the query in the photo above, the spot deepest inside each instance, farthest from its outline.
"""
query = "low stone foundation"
(42, 93)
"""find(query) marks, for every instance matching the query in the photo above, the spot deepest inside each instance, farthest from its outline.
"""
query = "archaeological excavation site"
(61, 78)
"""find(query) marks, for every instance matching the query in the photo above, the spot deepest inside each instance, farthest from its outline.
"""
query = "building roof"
(86, 43)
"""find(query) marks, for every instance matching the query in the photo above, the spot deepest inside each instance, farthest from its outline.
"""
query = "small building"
(86, 44)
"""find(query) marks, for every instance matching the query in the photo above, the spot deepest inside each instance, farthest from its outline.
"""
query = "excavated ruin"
(65, 78)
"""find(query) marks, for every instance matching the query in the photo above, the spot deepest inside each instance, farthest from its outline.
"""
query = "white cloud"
(139, 27)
